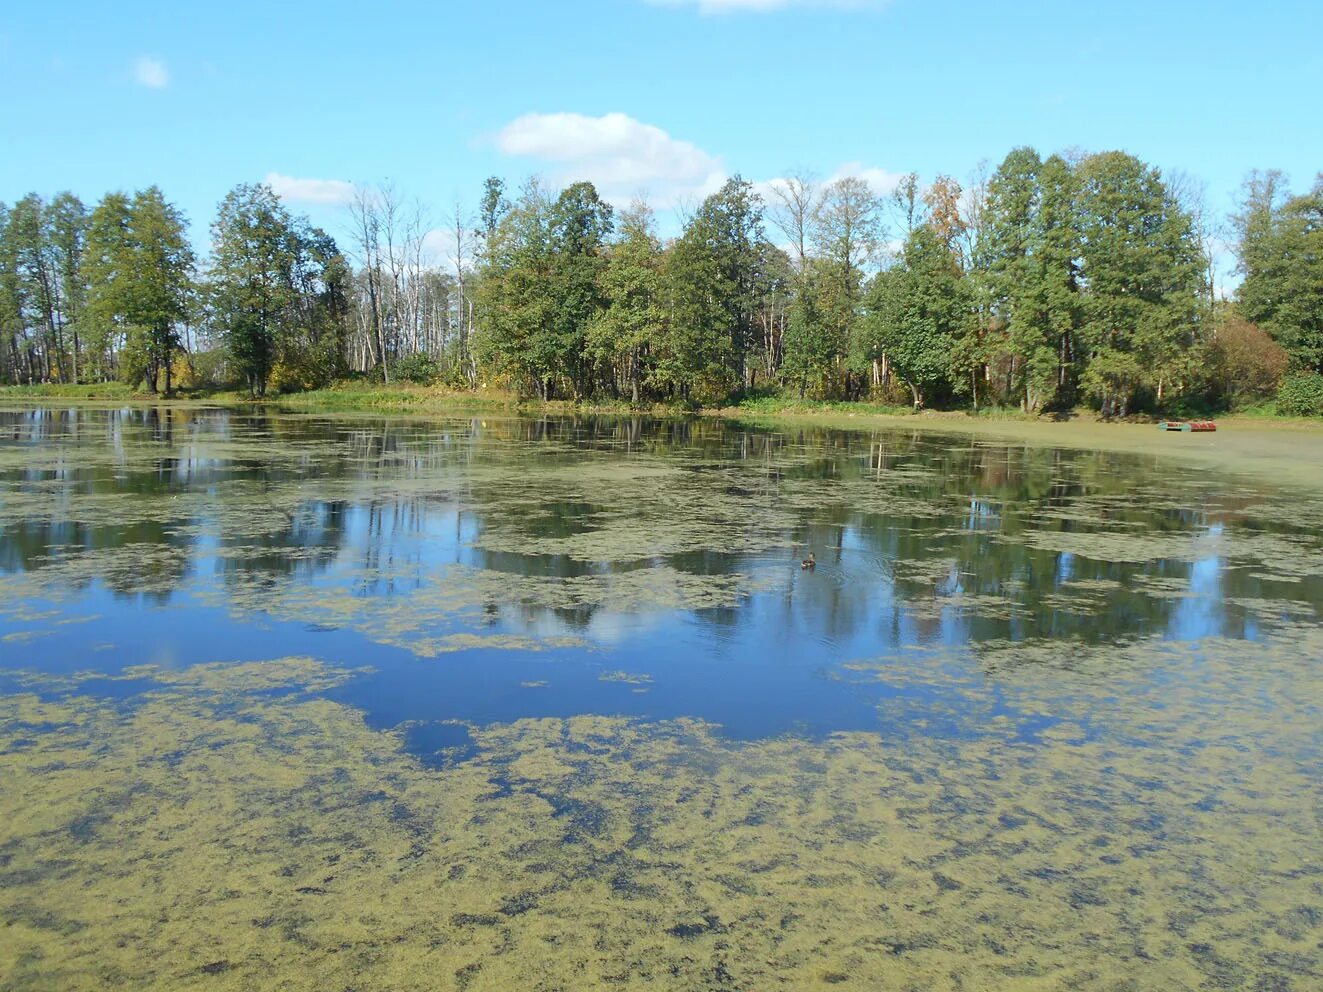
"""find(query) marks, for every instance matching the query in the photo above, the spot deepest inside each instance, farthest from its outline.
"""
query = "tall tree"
(1281, 256)
(1141, 270)
(1027, 270)
(918, 309)
(515, 340)
(162, 271)
(254, 250)
(37, 270)
(12, 336)
(580, 223)
(139, 268)
(620, 336)
(68, 237)
(107, 271)
(847, 230)
(794, 207)
(716, 281)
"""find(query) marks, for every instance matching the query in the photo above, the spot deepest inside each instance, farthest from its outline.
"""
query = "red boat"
(1196, 426)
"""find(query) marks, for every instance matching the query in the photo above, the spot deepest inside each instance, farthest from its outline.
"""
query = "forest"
(1042, 284)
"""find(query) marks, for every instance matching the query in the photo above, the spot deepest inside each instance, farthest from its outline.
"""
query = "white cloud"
(622, 156)
(881, 181)
(326, 191)
(151, 73)
(766, 6)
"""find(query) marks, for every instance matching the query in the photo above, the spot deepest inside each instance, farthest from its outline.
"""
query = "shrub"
(420, 369)
(1301, 395)
(1246, 363)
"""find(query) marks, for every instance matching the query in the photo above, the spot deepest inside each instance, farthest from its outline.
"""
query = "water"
(561, 687)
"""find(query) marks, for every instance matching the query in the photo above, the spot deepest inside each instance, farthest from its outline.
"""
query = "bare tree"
(847, 224)
(365, 218)
(795, 202)
(462, 248)
(905, 201)
(1191, 195)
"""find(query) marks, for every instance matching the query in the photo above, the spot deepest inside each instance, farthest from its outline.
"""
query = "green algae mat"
(298, 702)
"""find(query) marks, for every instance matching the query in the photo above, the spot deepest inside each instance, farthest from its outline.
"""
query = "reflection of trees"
(156, 554)
(375, 495)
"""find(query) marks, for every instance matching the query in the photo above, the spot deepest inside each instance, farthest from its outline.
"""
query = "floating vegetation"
(629, 678)
(1038, 720)
(215, 831)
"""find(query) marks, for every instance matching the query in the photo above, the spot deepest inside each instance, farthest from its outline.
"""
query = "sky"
(660, 97)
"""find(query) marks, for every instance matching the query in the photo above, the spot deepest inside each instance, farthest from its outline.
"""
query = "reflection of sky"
(886, 584)
(1199, 613)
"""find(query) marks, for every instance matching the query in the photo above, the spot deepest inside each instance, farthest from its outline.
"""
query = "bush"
(1301, 395)
(415, 368)
(1246, 364)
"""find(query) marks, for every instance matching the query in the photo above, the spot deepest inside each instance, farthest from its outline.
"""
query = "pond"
(305, 702)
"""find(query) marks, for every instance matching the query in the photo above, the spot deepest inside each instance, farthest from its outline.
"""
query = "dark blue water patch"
(723, 667)
(439, 745)
(114, 638)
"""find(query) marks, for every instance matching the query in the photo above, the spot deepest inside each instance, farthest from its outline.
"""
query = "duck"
(809, 562)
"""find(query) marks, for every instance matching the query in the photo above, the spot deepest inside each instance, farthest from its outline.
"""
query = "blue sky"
(666, 96)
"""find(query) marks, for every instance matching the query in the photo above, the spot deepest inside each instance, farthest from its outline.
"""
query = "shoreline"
(1277, 451)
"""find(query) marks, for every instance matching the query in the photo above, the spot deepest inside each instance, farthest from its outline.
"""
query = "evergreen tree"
(1281, 256)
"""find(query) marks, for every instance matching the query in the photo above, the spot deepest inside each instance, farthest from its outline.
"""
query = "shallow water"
(304, 702)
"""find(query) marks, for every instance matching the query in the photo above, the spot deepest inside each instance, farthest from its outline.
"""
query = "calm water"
(993, 613)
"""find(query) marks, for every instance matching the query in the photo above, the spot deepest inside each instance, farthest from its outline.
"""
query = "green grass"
(767, 405)
(81, 391)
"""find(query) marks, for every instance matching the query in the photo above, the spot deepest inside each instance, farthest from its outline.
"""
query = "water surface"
(372, 703)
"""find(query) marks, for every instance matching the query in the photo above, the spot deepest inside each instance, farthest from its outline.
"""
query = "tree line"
(1042, 284)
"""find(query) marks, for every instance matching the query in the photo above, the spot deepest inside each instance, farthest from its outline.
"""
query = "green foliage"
(716, 276)
(811, 343)
(540, 289)
(1141, 266)
(1281, 256)
(918, 310)
(421, 370)
(139, 269)
(1029, 274)
(1049, 283)
(1301, 395)
(619, 337)
(278, 293)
